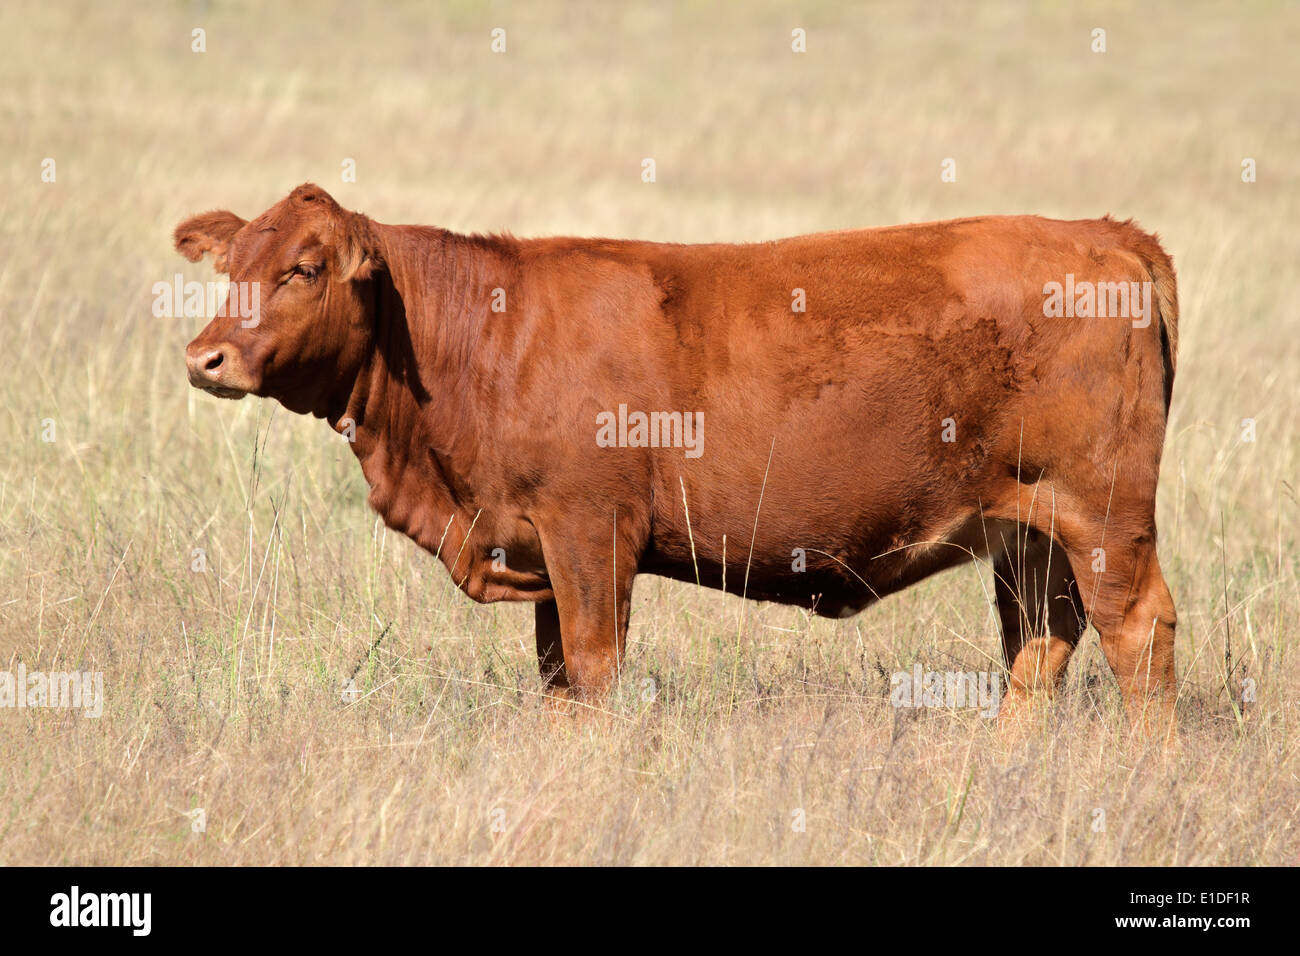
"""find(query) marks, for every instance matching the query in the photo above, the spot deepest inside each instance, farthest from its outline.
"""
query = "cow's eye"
(305, 270)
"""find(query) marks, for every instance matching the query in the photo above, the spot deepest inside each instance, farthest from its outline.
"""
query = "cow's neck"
(414, 407)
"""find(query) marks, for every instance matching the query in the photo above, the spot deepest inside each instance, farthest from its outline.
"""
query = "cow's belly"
(837, 581)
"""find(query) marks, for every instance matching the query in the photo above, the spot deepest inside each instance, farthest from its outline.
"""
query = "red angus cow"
(854, 410)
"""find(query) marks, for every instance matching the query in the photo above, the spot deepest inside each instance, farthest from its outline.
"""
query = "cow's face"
(296, 323)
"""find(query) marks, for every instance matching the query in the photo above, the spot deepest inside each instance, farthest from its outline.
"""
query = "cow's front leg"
(591, 576)
(550, 649)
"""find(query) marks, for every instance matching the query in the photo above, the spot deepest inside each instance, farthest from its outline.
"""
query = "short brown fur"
(476, 429)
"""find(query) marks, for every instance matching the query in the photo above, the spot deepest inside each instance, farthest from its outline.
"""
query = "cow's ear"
(210, 232)
(359, 257)
(363, 270)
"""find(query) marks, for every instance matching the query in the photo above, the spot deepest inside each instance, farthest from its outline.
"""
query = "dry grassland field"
(285, 681)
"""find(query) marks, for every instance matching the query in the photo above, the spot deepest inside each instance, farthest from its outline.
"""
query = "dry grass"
(223, 688)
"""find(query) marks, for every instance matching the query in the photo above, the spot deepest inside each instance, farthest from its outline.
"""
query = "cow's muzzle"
(214, 370)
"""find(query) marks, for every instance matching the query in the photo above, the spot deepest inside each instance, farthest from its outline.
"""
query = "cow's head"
(295, 326)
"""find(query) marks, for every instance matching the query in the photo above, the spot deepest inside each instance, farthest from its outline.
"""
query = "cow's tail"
(1164, 287)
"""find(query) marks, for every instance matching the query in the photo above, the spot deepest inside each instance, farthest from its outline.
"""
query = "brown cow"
(853, 411)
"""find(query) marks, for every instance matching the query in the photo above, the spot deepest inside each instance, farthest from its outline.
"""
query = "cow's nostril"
(214, 362)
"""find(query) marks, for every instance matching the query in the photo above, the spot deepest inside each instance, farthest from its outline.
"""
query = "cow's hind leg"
(1126, 599)
(1040, 615)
